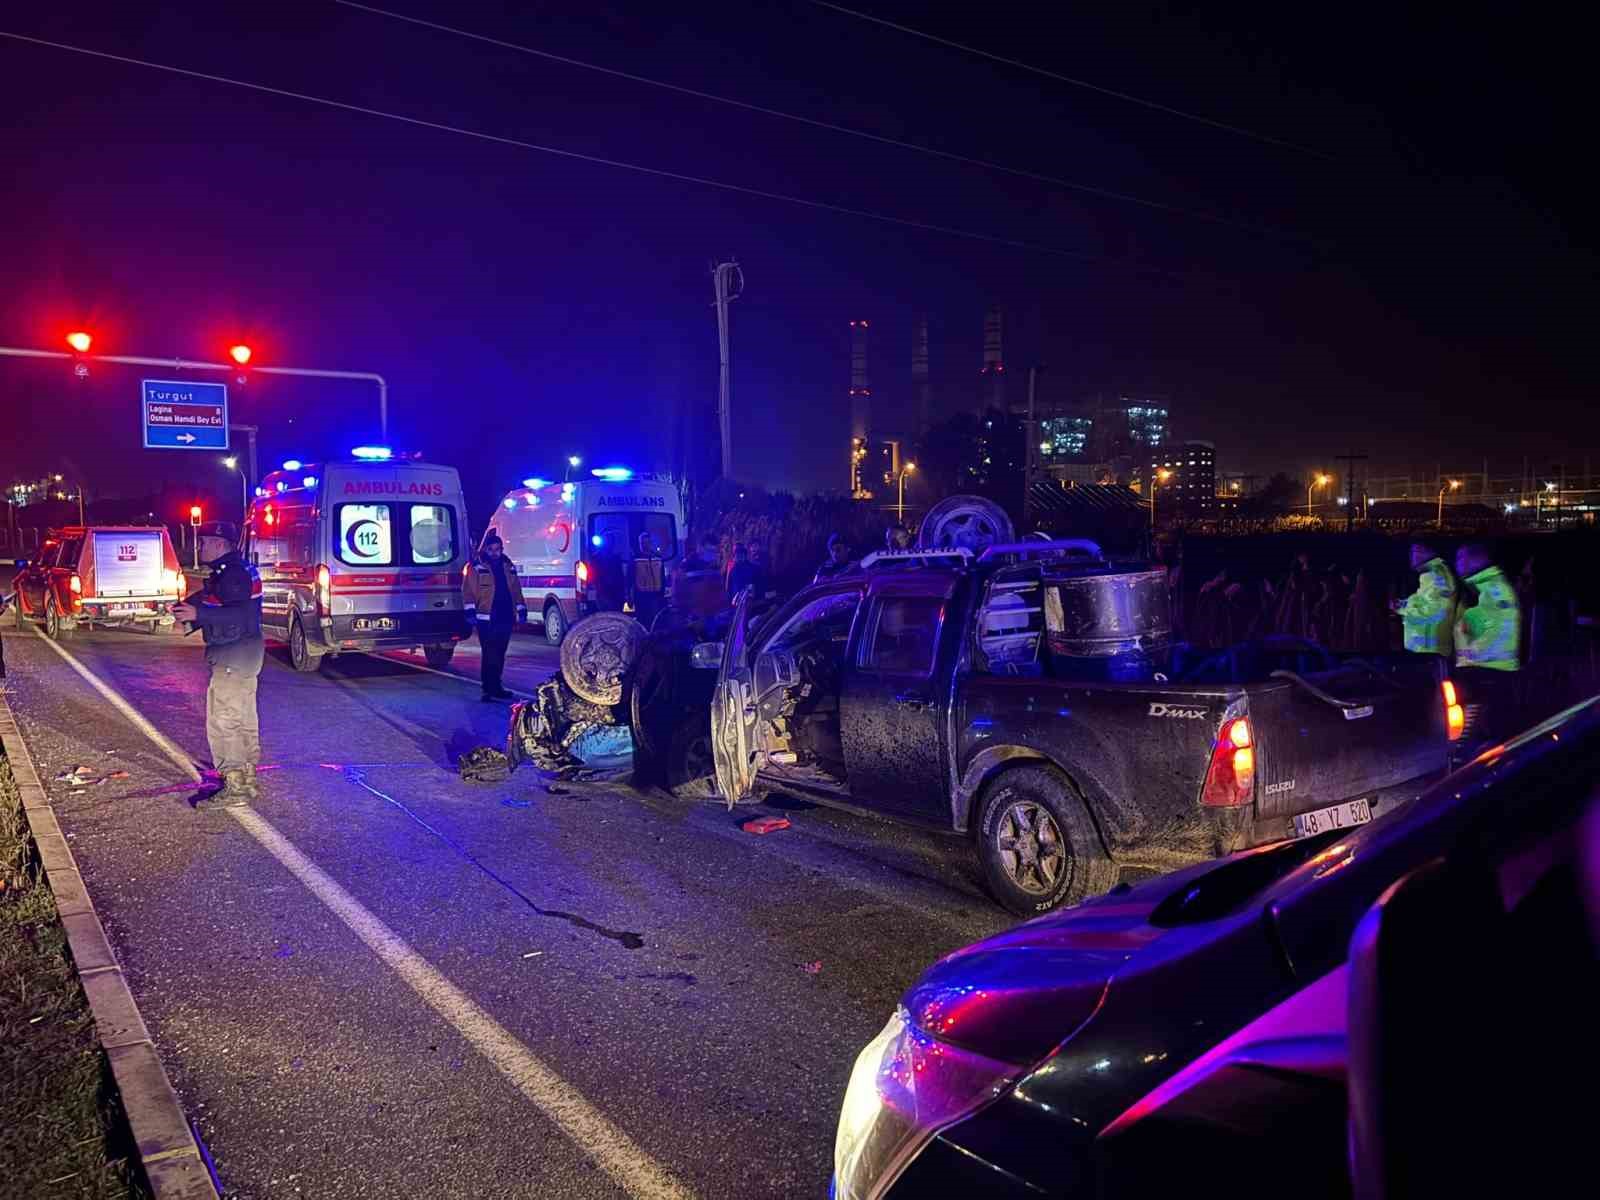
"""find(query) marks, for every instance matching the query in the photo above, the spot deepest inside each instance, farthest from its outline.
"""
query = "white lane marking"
(612, 1150)
(416, 666)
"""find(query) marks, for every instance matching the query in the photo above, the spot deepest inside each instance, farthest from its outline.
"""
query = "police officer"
(227, 611)
(1429, 614)
(1488, 637)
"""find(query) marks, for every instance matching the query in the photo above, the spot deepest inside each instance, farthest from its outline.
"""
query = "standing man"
(492, 596)
(227, 611)
(742, 573)
(1488, 635)
(1429, 614)
(838, 560)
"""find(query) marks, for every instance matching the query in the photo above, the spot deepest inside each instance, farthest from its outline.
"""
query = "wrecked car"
(1029, 697)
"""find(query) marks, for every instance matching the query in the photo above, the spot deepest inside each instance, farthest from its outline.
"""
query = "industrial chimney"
(919, 378)
(860, 405)
(994, 367)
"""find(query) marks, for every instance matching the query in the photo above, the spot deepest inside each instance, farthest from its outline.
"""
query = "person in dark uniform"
(492, 596)
(227, 611)
(838, 560)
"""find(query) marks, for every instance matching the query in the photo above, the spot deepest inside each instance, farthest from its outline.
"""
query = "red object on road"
(765, 824)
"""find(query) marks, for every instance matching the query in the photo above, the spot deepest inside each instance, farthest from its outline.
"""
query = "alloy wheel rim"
(1032, 851)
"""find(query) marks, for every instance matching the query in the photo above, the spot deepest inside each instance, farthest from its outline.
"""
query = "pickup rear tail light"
(76, 585)
(583, 575)
(1455, 718)
(174, 582)
(324, 591)
(1231, 778)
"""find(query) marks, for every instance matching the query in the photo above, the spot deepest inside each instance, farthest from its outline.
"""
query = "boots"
(238, 788)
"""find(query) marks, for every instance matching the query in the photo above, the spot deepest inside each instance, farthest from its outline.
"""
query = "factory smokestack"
(860, 405)
(919, 378)
(994, 367)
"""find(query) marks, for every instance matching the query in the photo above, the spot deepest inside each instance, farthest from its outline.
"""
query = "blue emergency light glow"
(535, 482)
(372, 452)
(309, 481)
(292, 464)
(568, 490)
(283, 485)
(533, 502)
(261, 491)
(614, 474)
(509, 502)
(597, 540)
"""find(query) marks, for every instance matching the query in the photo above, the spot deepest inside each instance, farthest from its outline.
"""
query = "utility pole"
(1350, 461)
(1031, 433)
(728, 284)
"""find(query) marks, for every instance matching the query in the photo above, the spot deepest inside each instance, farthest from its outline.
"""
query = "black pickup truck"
(1030, 697)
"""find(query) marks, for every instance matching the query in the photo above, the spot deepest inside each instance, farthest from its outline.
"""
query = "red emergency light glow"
(240, 353)
(80, 341)
(194, 512)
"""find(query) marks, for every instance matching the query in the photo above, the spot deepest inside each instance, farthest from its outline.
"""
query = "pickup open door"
(733, 710)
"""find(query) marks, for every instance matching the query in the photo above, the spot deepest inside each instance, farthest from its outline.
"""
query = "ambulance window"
(366, 535)
(433, 536)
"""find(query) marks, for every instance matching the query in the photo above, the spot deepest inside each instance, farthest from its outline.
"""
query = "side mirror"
(707, 655)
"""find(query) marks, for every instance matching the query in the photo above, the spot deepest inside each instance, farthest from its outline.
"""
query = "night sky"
(1392, 263)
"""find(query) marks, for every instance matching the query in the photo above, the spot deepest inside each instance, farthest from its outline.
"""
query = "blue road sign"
(182, 415)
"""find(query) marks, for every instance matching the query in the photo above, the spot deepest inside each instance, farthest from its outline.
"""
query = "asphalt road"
(590, 990)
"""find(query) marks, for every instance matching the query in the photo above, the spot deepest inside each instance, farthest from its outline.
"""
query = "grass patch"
(62, 1130)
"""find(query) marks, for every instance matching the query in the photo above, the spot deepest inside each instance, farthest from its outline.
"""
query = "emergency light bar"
(613, 474)
(535, 482)
(959, 552)
(379, 453)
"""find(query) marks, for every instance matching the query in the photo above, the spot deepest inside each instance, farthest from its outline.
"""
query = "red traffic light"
(80, 341)
(240, 354)
(194, 513)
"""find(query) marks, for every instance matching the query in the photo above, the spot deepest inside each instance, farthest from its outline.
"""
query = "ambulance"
(609, 541)
(360, 554)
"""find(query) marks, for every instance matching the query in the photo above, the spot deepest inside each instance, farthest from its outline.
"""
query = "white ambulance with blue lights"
(359, 554)
(564, 537)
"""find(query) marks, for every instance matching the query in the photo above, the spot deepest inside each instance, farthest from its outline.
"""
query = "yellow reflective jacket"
(1430, 614)
(1489, 633)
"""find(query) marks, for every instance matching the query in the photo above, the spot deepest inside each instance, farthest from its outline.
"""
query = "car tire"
(689, 756)
(555, 624)
(1037, 844)
(52, 620)
(301, 657)
(438, 656)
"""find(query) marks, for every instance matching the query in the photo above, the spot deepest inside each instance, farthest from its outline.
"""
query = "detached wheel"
(52, 620)
(439, 656)
(300, 656)
(1038, 847)
(598, 655)
(555, 624)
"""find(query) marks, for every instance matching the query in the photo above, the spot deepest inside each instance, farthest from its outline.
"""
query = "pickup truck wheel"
(438, 657)
(300, 656)
(1038, 847)
(52, 620)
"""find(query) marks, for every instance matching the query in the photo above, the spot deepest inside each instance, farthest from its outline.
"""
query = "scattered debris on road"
(513, 802)
(484, 764)
(765, 824)
(812, 968)
(546, 730)
(533, 954)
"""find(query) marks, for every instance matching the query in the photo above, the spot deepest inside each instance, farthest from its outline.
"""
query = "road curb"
(172, 1161)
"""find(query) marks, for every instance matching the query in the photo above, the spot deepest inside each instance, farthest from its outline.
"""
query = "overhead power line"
(948, 155)
(597, 160)
(1081, 83)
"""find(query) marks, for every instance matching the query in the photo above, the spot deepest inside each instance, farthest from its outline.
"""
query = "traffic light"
(194, 514)
(241, 353)
(80, 343)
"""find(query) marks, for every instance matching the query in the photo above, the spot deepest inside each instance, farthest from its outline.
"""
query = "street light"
(900, 508)
(232, 463)
(1316, 482)
(240, 354)
(1156, 481)
(1443, 488)
(573, 462)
